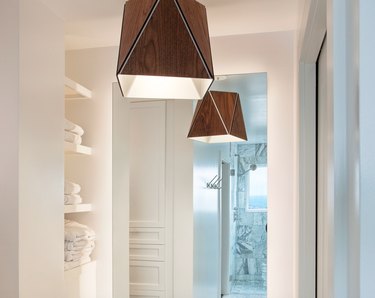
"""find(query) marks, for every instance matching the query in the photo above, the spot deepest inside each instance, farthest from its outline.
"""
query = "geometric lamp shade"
(165, 50)
(218, 119)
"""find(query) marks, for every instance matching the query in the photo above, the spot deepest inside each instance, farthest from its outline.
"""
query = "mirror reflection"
(235, 215)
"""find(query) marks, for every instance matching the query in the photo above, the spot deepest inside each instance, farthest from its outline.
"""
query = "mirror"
(230, 223)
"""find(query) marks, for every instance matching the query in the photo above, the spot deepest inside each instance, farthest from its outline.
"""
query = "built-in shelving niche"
(79, 281)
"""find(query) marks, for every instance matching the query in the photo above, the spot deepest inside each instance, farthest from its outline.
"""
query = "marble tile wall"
(249, 274)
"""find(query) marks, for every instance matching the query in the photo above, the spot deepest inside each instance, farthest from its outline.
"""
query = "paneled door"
(147, 234)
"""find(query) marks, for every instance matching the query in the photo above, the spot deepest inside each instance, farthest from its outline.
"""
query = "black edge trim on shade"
(211, 75)
(138, 36)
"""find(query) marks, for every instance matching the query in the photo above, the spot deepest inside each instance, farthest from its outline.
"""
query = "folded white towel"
(83, 251)
(85, 237)
(70, 256)
(71, 265)
(72, 138)
(71, 188)
(79, 245)
(72, 199)
(76, 232)
(74, 128)
(78, 252)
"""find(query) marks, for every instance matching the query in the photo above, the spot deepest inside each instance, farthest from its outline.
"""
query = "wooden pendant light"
(165, 50)
(218, 119)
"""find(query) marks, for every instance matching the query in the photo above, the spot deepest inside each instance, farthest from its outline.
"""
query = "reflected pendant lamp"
(218, 119)
(165, 50)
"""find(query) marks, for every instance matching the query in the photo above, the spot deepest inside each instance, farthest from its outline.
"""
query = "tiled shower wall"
(250, 240)
(250, 248)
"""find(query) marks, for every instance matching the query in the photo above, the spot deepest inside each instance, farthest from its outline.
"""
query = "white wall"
(41, 163)
(367, 147)
(9, 116)
(353, 148)
(121, 191)
(95, 69)
(351, 244)
(342, 224)
(32, 72)
(272, 53)
(180, 187)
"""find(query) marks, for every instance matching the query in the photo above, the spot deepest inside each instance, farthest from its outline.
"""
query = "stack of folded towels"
(79, 244)
(73, 133)
(71, 193)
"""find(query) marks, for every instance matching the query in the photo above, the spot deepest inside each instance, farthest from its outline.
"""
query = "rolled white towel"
(80, 262)
(74, 128)
(73, 199)
(76, 232)
(72, 138)
(71, 188)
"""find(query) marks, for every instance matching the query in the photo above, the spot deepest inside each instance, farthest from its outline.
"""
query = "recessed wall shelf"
(80, 269)
(80, 281)
(74, 91)
(71, 148)
(80, 276)
(77, 208)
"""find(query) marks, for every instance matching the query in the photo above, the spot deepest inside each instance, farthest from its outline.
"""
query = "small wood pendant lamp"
(165, 50)
(218, 119)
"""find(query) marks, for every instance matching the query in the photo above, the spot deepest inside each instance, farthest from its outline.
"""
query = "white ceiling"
(231, 17)
(78, 10)
(97, 23)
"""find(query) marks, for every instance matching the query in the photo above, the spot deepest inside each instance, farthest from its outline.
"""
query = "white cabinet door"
(147, 252)
(147, 294)
(147, 166)
(147, 232)
(147, 235)
(145, 275)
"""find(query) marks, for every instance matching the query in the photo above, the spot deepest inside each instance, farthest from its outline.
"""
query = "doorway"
(230, 255)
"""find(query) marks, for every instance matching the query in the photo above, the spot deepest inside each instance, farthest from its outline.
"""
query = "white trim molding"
(341, 219)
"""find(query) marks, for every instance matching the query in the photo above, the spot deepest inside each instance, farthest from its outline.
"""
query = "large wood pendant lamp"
(165, 50)
(218, 119)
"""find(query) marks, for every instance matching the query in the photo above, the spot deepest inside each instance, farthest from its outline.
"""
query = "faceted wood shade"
(218, 119)
(165, 50)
